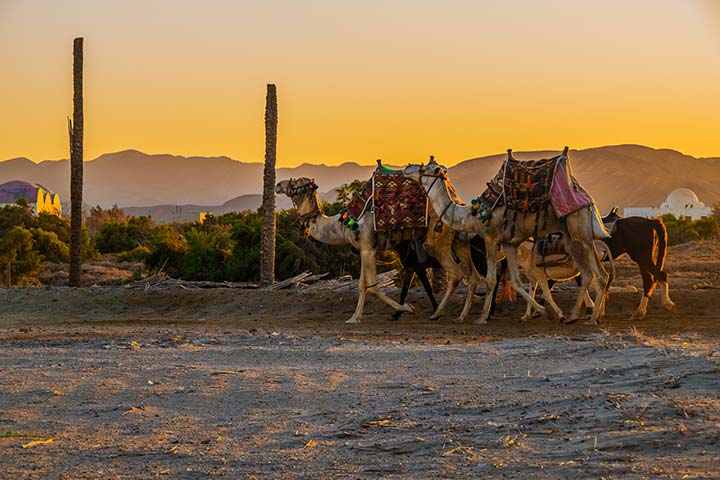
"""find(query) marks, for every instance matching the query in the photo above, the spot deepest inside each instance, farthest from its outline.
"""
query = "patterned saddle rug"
(398, 202)
(528, 186)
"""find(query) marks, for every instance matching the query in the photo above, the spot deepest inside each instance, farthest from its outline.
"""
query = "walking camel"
(550, 270)
(502, 226)
(331, 231)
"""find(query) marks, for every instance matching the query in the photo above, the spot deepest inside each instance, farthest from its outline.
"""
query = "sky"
(361, 80)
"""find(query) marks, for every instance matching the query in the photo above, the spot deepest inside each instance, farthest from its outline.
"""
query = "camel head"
(296, 187)
(419, 172)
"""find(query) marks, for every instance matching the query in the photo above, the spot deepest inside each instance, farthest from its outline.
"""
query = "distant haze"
(361, 79)
(624, 175)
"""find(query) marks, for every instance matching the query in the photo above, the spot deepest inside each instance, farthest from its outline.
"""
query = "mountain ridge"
(629, 175)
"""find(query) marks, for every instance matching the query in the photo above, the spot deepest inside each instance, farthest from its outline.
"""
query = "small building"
(681, 202)
(40, 199)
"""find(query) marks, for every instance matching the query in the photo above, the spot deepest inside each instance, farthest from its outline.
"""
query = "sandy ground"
(254, 384)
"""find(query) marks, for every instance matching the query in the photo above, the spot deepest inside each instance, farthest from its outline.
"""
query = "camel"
(499, 230)
(331, 231)
(539, 273)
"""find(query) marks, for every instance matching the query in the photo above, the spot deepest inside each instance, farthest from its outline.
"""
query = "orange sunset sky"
(360, 80)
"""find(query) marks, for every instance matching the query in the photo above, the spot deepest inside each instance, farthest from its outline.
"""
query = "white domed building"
(40, 199)
(682, 202)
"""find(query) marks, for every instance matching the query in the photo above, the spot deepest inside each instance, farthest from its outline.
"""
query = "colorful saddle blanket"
(528, 186)
(397, 202)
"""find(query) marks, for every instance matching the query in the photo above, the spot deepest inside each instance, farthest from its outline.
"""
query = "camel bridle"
(438, 174)
(300, 189)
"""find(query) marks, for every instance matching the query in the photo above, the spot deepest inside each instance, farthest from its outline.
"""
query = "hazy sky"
(360, 80)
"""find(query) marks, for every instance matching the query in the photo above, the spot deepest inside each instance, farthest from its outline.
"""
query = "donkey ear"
(509, 152)
(432, 160)
(565, 151)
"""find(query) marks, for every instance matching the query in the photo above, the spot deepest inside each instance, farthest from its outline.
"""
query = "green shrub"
(167, 250)
(137, 254)
(16, 249)
(50, 246)
(684, 229)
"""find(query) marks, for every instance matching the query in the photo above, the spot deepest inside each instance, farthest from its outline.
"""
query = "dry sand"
(252, 384)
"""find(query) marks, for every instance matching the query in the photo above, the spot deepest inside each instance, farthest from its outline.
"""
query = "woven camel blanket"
(528, 186)
(397, 202)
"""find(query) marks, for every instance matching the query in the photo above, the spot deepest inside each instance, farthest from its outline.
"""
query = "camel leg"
(451, 286)
(362, 293)
(581, 248)
(368, 258)
(469, 299)
(583, 298)
(516, 284)
(550, 300)
(528, 309)
(491, 253)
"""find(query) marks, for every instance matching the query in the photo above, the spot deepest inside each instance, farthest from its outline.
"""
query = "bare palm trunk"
(76, 167)
(267, 234)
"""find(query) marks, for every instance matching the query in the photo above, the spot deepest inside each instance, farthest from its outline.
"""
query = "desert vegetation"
(222, 248)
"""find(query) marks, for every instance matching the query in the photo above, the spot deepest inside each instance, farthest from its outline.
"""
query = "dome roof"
(681, 198)
(11, 192)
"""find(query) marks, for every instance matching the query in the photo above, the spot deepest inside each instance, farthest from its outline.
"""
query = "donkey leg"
(422, 275)
(648, 287)
(515, 283)
(667, 304)
(403, 293)
(451, 286)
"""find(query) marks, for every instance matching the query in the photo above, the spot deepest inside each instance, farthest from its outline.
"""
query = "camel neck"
(450, 212)
(324, 229)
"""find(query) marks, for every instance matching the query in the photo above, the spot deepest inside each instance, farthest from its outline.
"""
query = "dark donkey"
(640, 237)
(415, 261)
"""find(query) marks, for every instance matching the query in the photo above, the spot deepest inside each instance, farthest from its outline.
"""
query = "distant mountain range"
(177, 188)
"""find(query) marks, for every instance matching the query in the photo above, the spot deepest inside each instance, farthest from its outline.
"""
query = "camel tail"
(661, 231)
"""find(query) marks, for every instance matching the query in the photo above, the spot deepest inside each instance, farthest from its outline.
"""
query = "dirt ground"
(253, 384)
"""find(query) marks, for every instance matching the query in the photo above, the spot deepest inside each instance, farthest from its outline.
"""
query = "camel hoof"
(352, 320)
(406, 307)
(568, 321)
(525, 318)
(638, 316)
(590, 322)
(669, 306)
(435, 316)
(480, 321)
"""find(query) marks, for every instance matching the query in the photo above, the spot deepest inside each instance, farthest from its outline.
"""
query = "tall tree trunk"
(76, 167)
(267, 234)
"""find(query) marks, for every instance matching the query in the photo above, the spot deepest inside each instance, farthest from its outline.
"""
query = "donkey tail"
(661, 231)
